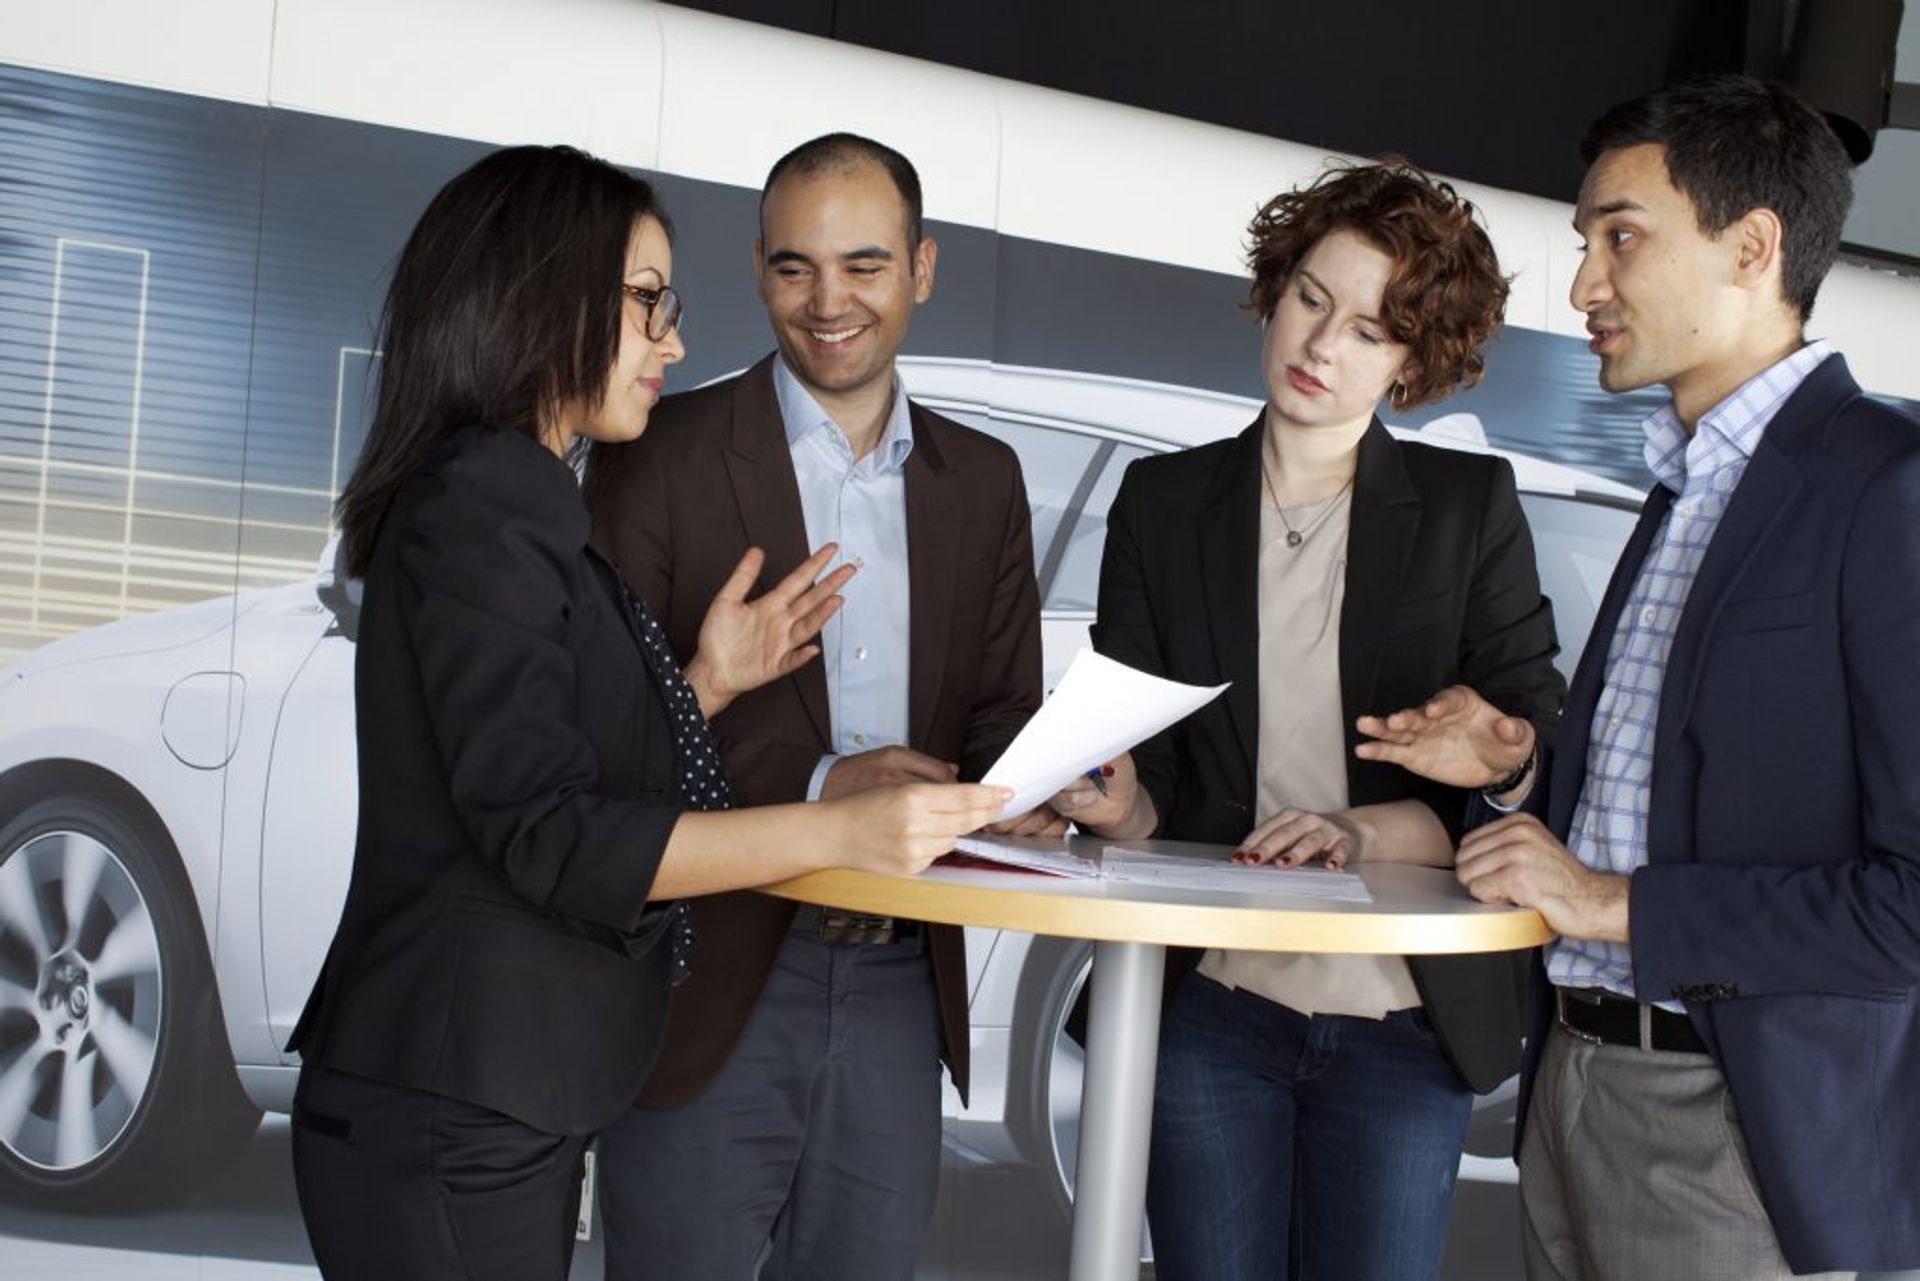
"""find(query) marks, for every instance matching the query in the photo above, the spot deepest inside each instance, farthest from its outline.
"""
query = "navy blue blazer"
(1781, 899)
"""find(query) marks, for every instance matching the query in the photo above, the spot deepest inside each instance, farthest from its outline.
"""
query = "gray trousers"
(816, 1150)
(1634, 1168)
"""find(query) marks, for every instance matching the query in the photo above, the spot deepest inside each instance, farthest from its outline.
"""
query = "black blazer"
(517, 789)
(1441, 589)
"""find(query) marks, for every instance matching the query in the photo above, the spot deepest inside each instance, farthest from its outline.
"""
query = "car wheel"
(116, 1082)
(1047, 1060)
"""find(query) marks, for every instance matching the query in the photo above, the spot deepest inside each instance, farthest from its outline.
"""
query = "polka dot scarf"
(703, 781)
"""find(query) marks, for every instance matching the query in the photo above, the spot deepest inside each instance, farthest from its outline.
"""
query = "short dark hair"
(505, 304)
(1735, 144)
(1446, 295)
(840, 152)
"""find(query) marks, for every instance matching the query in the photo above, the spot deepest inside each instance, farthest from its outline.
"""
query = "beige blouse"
(1302, 753)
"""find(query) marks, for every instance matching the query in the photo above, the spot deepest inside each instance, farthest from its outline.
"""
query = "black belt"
(831, 925)
(1604, 1018)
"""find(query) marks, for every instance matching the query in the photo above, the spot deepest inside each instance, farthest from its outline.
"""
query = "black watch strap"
(1513, 780)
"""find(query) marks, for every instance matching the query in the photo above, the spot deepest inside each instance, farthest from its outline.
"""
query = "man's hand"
(744, 644)
(1456, 737)
(1518, 861)
(1121, 809)
(1293, 837)
(882, 767)
(1041, 820)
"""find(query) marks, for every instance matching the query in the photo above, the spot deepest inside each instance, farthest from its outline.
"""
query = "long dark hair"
(505, 305)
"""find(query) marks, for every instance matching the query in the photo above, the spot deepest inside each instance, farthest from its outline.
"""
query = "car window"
(1076, 581)
(1053, 463)
(1576, 542)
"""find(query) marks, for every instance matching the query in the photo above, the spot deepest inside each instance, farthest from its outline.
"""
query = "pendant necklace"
(1297, 536)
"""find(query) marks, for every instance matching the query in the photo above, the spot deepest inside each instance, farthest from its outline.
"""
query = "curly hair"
(1445, 297)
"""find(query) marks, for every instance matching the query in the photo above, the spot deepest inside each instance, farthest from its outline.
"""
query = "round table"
(1413, 910)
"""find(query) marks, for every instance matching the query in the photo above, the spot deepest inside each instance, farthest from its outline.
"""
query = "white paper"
(1099, 709)
(1049, 854)
(1173, 871)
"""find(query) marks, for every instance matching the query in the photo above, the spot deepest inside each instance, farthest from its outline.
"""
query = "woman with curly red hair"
(1309, 1109)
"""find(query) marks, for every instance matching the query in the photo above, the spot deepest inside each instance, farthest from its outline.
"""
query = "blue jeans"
(1315, 1148)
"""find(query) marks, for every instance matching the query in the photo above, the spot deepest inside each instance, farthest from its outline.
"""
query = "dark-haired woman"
(537, 785)
(1309, 1110)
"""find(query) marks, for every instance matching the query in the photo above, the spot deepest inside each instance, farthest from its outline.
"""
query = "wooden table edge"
(1272, 929)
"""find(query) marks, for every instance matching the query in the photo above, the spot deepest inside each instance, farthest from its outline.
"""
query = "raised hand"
(1456, 737)
(900, 829)
(744, 644)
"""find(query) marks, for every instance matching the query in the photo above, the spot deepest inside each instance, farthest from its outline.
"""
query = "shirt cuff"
(819, 779)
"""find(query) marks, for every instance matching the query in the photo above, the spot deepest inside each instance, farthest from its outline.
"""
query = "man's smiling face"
(839, 280)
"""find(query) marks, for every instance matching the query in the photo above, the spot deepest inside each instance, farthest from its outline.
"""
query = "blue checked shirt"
(1609, 832)
(861, 505)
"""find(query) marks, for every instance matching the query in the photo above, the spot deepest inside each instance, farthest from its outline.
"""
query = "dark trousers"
(817, 1147)
(1313, 1147)
(398, 1184)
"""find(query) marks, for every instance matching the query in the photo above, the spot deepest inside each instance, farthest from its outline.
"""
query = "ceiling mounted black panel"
(1493, 91)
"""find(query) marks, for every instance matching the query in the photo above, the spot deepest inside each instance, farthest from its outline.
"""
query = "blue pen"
(1099, 779)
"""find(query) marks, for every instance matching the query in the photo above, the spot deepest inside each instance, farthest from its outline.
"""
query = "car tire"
(1045, 1061)
(117, 1086)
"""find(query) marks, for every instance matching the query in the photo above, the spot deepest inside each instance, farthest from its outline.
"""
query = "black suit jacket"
(517, 789)
(712, 476)
(1441, 589)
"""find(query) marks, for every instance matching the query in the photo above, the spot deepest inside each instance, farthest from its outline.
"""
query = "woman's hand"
(744, 644)
(901, 828)
(1293, 837)
(1122, 811)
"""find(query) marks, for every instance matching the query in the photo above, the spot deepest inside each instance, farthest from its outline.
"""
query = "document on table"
(1099, 709)
(1174, 871)
(1119, 864)
(1049, 854)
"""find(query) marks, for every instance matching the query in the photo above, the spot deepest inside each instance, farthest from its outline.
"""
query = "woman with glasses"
(1309, 1110)
(537, 784)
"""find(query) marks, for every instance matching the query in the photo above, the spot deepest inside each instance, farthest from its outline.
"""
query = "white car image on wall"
(177, 812)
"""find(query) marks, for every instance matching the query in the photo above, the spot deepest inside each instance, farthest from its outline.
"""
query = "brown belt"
(831, 925)
(1606, 1018)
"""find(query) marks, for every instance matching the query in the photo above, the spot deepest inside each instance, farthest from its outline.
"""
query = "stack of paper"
(1176, 872)
(1099, 709)
(1117, 863)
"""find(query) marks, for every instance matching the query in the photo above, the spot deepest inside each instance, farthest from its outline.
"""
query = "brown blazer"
(676, 509)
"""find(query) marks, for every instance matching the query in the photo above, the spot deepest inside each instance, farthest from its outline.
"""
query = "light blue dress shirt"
(1609, 829)
(861, 505)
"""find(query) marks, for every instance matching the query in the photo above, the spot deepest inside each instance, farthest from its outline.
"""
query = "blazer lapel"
(1230, 582)
(1771, 483)
(760, 467)
(933, 516)
(1583, 695)
(1383, 524)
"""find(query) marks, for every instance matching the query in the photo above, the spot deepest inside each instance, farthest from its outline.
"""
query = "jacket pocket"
(1765, 614)
(1421, 611)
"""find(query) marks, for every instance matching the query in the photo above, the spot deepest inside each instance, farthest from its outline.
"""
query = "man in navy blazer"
(1722, 1072)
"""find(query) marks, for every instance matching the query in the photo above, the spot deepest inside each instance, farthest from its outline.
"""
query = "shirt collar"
(1732, 428)
(802, 415)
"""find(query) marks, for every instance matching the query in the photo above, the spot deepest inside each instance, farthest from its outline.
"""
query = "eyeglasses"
(663, 305)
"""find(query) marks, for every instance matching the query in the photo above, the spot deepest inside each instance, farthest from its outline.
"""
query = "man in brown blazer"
(794, 1115)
